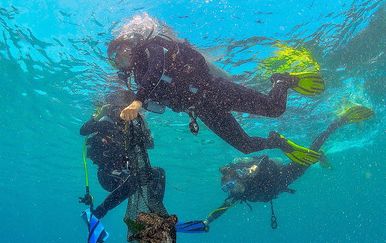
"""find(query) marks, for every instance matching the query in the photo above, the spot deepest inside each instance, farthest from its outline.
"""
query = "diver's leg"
(292, 171)
(243, 99)
(118, 195)
(321, 139)
(226, 127)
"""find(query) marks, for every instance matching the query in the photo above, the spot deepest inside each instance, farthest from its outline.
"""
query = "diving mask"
(121, 53)
(227, 187)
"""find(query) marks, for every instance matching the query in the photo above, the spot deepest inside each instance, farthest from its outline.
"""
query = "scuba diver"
(170, 72)
(119, 149)
(259, 179)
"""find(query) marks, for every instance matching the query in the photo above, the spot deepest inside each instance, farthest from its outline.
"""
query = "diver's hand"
(131, 112)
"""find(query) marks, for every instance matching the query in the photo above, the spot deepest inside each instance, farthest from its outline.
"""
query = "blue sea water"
(53, 68)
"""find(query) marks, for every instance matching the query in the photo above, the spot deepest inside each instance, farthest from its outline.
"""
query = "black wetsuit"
(272, 178)
(174, 74)
(120, 151)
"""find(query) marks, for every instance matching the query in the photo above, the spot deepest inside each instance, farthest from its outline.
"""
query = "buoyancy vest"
(185, 72)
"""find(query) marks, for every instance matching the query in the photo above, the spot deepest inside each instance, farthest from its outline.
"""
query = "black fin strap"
(246, 202)
(249, 205)
(193, 125)
(273, 218)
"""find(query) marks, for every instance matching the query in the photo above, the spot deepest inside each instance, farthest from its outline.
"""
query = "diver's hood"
(243, 168)
(237, 176)
(120, 98)
(129, 43)
(126, 45)
(121, 51)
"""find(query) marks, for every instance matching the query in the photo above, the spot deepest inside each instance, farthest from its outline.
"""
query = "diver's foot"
(298, 154)
(305, 83)
(284, 78)
(275, 141)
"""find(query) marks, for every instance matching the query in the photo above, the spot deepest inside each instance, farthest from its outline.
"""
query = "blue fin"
(195, 226)
(96, 230)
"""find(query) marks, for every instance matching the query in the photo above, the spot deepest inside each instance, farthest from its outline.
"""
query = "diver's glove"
(96, 230)
(195, 226)
(131, 111)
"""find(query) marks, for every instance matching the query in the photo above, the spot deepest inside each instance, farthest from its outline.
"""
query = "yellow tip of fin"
(357, 113)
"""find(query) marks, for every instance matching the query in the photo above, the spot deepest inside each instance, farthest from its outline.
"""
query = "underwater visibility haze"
(54, 69)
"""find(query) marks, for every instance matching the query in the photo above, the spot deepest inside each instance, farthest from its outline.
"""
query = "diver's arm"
(99, 122)
(93, 125)
(116, 197)
(155, 63)
(218, 212)
(88, 127)
(155, 67)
